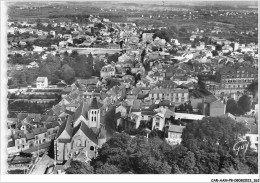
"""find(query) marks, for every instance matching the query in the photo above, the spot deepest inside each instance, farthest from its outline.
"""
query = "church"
(82, 131)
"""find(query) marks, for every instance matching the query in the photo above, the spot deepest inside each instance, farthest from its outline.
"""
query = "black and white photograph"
(130, 88)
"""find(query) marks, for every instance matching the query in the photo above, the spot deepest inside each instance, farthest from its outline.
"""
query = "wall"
(217, 108)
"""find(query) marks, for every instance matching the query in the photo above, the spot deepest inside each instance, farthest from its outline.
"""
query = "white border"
(86, 178)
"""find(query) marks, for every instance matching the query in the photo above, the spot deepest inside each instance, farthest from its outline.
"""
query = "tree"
(231, 106)
(163, 34)
(114, 152)
(135, 155)
(212, 140)
(74, 53)
(218, 47)
(67, 73)
(113, 57)
(248, 58)
(214, 53)
(108, 169)
(99, 64)
(253, 88)
(245, 103)
(78, 167)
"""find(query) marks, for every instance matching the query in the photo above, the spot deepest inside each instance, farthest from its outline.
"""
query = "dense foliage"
(240, 107)
(207, 148)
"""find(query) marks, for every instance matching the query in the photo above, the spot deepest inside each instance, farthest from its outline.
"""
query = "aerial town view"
(132, 87)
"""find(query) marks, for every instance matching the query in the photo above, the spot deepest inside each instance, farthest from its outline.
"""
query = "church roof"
(95, 104)
(89, 133)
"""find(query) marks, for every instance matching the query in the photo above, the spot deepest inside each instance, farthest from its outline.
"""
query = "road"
(95, 50)
(42, 165)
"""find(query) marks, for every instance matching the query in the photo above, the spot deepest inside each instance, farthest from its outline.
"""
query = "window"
(18, 147)
(157, 119)
(238, 75)
(182, 94)
(43, 140)
(242, 75)
(78, 142)
(91, 148)
(157, 124)
(45, 135)
(36, 137)
(23, 146)
(243, 71)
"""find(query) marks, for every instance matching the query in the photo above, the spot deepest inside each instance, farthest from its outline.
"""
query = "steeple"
(94, 103)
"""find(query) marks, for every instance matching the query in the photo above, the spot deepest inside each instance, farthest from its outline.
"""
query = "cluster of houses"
(31, 132)
(146, 87)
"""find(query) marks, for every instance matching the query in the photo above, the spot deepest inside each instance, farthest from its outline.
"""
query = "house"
(160, 119)
(40, 135)
(67, 36)
(42, 82)
(187, 116)
(158, 76)
(52, 129)
(108, 71)
(217, 108)
(19, 140)
(237, 79)
(33, 65)
(123, 109)
(147, 37)
(175, 95)
(252, 136)
(174, 134)
(38, 49)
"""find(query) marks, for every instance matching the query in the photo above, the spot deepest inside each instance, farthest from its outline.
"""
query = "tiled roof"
(210, 99)
(21, 116)
(166, 103)
(41, 79)
(253, 129)
(29, 136)
(37, 131)
(95, 104)
(176, 128)
(89, 133)
(11, 144)
(81, 110)
(169, 91)
(65, 126)
(19, 134)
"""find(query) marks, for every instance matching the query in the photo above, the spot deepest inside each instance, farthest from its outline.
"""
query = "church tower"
(94, 113)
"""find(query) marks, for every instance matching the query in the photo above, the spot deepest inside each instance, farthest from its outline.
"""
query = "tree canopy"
(163, 34)
(206, 148)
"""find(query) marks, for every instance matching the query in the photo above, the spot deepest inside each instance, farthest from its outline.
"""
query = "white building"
(252, 137)
(174, 134)
(42, 82)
